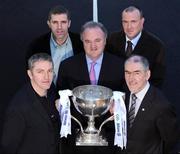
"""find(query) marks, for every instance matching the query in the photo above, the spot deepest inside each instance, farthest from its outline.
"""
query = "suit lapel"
(102, 71)
(146, 104)
(122, 44)
(103, 74)
(141, 44)
(84, 69)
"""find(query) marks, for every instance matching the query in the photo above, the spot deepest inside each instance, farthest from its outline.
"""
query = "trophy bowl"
(91, 101)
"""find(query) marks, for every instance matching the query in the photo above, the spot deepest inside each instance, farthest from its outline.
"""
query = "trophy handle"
(75, 119)
(105, 121)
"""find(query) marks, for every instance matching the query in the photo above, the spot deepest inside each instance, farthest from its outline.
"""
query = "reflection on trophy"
(91, 101)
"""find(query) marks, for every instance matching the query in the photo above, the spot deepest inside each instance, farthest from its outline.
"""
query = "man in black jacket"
(142, 43)
(59, 42)
(32, 124)
(152, 121)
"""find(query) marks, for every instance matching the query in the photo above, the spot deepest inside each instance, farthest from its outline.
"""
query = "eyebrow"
(134, 71)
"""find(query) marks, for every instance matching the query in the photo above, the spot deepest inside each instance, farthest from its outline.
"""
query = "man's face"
(94, 42)
(59, 25)
(132, 23)
(41, 76)
(136, 76)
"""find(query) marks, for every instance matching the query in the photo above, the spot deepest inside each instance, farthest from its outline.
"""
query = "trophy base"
(90, 140)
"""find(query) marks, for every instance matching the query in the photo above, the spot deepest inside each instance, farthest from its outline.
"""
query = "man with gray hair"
(31, 124)
(75, 71)
(97, 67)
(152, 122)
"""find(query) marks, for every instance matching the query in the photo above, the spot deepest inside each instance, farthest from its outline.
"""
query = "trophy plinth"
(85, 139)
(91, 101)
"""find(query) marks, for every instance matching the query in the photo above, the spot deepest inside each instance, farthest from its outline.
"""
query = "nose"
(131, 77)
(93, 46)
(128, 25)
(46, 75)
(59, 25)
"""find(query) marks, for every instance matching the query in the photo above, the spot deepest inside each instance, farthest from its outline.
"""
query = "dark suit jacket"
(148, 46)
(28, 128)
(73, 72)
(154, 130)
(42, 44)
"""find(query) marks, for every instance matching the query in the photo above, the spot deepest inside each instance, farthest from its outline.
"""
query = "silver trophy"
(91, 101)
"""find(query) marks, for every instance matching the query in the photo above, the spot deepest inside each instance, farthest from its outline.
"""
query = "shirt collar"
(98, 61)
(134, 40)
(57, 45)
(140, 95)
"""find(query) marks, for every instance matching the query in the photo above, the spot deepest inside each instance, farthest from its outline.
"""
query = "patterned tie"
(131, 114)
(92, 74)
(129, 48)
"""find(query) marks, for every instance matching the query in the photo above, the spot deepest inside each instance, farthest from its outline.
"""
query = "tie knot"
(93, 63)
(134, 97)
(129, 42)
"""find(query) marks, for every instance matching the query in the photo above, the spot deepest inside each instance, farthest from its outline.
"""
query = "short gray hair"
(38, 57)
(92, 24)
(138, 59)
(133, 8)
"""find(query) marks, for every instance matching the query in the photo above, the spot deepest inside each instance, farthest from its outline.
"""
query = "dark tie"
(92, 74)
(131, 114)
(129, 48)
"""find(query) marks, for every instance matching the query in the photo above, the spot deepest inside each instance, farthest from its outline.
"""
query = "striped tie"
(129, 48)
(92, 74)
(131, 114)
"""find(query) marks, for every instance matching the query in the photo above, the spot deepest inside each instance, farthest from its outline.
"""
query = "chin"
(133, 90)
(46, 87)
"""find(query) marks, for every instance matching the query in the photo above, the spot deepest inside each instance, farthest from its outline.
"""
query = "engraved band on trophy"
(91, 101)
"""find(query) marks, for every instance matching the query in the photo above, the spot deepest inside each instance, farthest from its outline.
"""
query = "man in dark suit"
(76, 70)
(59, 42)
(31, 124)
(142, 43)
(152, 121)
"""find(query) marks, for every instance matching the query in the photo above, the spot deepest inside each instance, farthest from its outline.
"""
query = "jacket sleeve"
(13, 131)
(168, 128)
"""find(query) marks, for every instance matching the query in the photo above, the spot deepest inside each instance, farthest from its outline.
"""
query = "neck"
(61, 41)
(94, 58)
(41, 92)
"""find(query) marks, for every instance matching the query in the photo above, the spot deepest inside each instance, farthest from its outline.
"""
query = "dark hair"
(59, 9)
(92, 24)
(38, 57)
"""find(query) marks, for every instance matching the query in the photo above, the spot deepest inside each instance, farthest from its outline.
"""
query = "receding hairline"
(138, 59)
(93, 25)
(132, 9)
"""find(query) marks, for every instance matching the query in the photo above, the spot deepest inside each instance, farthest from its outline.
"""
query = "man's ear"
(69, 23)
(148, 75)
(48, 23)
(29, 74)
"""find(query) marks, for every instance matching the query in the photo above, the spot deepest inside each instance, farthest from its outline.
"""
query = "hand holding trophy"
(93, 101)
